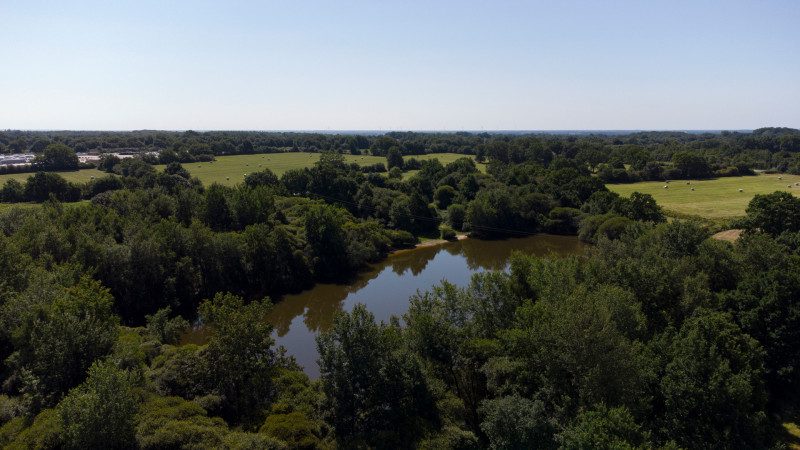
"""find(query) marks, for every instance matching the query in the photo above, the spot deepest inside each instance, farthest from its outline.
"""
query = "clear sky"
(399, 65)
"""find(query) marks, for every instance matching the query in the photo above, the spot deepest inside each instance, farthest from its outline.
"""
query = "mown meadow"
(231, 170)
(715, 198)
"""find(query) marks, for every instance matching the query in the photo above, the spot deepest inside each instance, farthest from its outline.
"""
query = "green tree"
(12, 192)
(41, 185)
(444, 196)
(604, 428)
(262, 178)
(773, 213)
(641, 207)
(374, 390)
(57, 157)
(101, 412)
(514, 422)
(394, 158)
(218, 213)
(241, 359)
(57, 343)
(765, 305)
(325, 235)
(691, 165)
(109, 162)
(712, 385)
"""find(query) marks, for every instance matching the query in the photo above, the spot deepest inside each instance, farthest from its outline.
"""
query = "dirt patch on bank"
(439, 241)
(728, 235)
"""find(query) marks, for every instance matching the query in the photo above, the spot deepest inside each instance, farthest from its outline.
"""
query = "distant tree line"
(614, 157)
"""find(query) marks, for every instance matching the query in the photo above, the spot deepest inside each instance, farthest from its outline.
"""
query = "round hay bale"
(665, 186)
(692, 188)
(741, 190)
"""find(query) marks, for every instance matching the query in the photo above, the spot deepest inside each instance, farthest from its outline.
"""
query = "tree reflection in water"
(386, 286)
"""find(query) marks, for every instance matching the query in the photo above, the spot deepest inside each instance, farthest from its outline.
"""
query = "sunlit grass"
(714, 198)
(74, 176)
(230, 170)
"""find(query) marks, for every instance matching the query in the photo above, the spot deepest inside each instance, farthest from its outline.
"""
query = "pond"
(385, 287)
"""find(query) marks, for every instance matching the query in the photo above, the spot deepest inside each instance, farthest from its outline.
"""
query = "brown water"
(386, 286)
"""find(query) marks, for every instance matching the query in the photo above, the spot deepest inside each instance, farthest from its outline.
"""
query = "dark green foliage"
(641, 207)
(774, 213)
(164, 329)
(325, 235)
(374, 390)
(101, 412)
(109, 162)
(41, 186)
(711, 386)
(447, 233)
(394, 158)
(57, 157)
(218, 213)
(604, 428)
(171, 422)
(240, 359)
(691, 166)
(56, 343)
(563, 368)
(613, 227)
(456, 215)
(173, 168)
(45, 431)
(765, 305)
(180, 371)
(12, 192)
(515, 422)
(293, 428)
(444, 196)
(262, 178)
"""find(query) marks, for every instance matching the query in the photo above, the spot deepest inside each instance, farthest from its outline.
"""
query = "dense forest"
(659, 337)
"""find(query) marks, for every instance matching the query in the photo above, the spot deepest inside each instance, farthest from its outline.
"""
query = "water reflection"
(385, 287)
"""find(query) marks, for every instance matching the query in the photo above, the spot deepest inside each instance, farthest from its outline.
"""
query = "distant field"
(713, 199)
(234, 167)
(75, 176)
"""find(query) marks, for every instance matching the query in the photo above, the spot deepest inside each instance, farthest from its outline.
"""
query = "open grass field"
(234, 167)
(75, 176)
(713, 199)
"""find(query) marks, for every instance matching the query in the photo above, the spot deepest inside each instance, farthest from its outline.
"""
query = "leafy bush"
(447, 233)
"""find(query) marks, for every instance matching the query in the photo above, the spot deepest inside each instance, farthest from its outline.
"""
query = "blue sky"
(391, 65)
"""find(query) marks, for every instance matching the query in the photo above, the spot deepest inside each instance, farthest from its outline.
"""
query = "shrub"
(447, 233)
